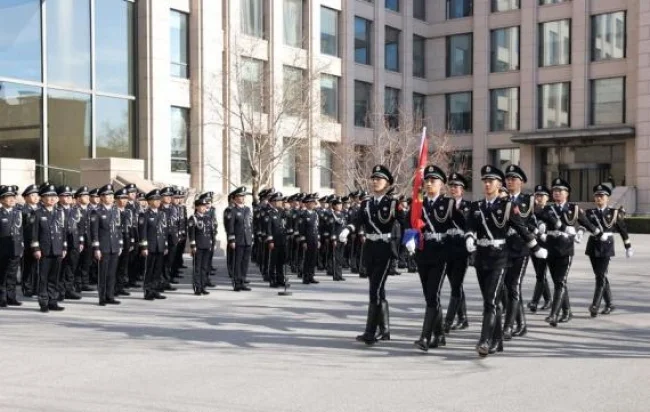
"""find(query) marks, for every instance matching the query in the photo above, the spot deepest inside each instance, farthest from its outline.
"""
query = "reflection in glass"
(20, 121)
(391, 107)
(329, 31)
(20, 39)
(505, 50)
(392, 5)
(459, 55)
(503, 158)
(608, 101)
(459, 112)
(329, 94)
(553, 105)
(114, 126)
(504, 5)
(504, 109)
(420, 10)
(293, 23)
(180, 139)
(419, 110)
(419, 53)
(114, 54)
(362, 103)
(362, 44)
(178, 33)
(68, 43)
(391, 49)
(459, 8)
(289, 163)
(252, 17)
(69, 134)
(608, 36)
(555, 43)
(326, 166)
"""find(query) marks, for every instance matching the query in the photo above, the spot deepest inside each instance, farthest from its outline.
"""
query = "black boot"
(427, 329)
(438, 334)
(552, 319)
(452, 309)
(595, 304)
(368, 336)
(522, 326)
(537, 293)
(567, 315)
(546, 294)
(487, 331)
(511, 313)
(462, 315)
(607, 297)
(384, 322)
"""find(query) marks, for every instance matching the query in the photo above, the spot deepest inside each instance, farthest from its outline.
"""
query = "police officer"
(353, 242)
(152, 230)
(128, 241)
(275, 231)
(94, 202)
(600, 249)
(29, 273)
(298, 255)
(308, 224)
(106, 235)
(322, 208)
(48, 244)
(179, 201)
(488, 224)
(75, 240)
(542, 194)
(336, 222)
(11, 245)
(173, 233)
(240, 237)
(212, 212)
(259, 255)
(136, 260)
(82, 273)
(201, 235)
(227, 213)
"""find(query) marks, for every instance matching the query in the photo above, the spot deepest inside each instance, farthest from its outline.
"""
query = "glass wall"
(20, 39)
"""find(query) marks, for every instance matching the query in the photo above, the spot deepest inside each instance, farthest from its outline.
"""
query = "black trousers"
(154, 263)
(121, 274)
(432, 276)
(241, 261)
(490, 281)
(377, 258)
(541, 285)
(30, 277)
(456, 270)
(310, 260)
(338, 260)
(355, 247)
(49, 269)
(278, 257)
(136, 266)
(201, 268)
(513, 280)
(178, 259)
(107, 268)
(229, 261)
(559, 267)
(68, 270)
(600, 266)
(82, 271)
(169, 264)
(8, 277)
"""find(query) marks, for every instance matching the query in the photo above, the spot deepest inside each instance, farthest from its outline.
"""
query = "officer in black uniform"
(458, 257)
(336, 222)
(488, 224)
(128, 241)
(240, 237)
(75, 240)
(212, 212)
(308, 224)
(179, 202)
(136, 260)
(12, 245)
(275, 231)
(600, 249)
(201, 234)
(353, 243)
(82, 273)
(106, 239)
(173, 233)
(152, 230)
(563, 220)
(49, 247)
(259, 251)
(298, 254)
(30, 277)
(374, 224)
(94, 202)
(227, 213)
(542, 194)
(322, 209)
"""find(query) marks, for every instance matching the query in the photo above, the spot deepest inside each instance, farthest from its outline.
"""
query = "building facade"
(560, 87)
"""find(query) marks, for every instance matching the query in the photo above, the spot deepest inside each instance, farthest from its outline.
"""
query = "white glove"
(629, 253)
(470, 244)
(570, 230)
(579, 236)
(542, 228)
(343, 236)
(542, 237)
(604, 237)
(541, 253)
(410, 246)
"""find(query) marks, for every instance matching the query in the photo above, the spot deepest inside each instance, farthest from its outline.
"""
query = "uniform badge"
(499, 212)
(384, 208)
(488, 169)
(238, 214)
(377, 169)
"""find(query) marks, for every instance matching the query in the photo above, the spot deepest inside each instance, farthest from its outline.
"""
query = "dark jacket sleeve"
(586, 223)
(229, 223)
(191, 231)
(621, 228)
(518, 223)
(142, 231)
(35, 244)
(94, 230)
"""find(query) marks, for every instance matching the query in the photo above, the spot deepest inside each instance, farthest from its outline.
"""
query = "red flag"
(416, 203)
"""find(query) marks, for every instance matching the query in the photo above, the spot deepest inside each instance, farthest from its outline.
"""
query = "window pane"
(461, 162)
(246, 152)
(293, 23)
(362, 103)
(329, 92)
(294, 91)
(179, 23)
(391, 49)
(362, 44)
(503, 158)
(553, 106)
(180, 139)
(329, 31)
(459, 55)
(392, 5)
(459, 112)
(544, 2)
(252, 83)
(505, 50)
(555, 43)
(327, 164)
(420, 9)
(608, 36)
(114, 46)
(21, 121)
(68, 43)
(419, 52)
(20, 39)
(252, 17)
(459, 8)
(69, 132)
(504, 5)
(289, 163)
(504, 109)
(391, 107)
(608, 101)
(114, 127)
(419, 110)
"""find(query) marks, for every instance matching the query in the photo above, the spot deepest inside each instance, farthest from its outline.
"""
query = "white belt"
(434, 236)
(488, 242)
(607, 234)
(557, 233)
(511, 232)
(374, 237)
(457, 232)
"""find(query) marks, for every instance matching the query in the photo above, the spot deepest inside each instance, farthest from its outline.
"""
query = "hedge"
(638, 224)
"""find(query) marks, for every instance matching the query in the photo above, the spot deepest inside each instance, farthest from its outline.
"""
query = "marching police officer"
(152, 230)
(542, 194)
(275, 232)
(11, 245)
(240, 237)
(600, 249)
(308, 228)
(202, 236)
(106, 235)
(30, 277)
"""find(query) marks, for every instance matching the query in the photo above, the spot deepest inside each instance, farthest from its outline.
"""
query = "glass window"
(555, 43)
(554, 101)
(459, 55)
(362, 103)
(293, 23)
(392, 5)
(419, 110)
(69, 132)
(461, 162)
(329, 31)
(21, 109)
(420, 10)
(329, 94)
(608, 36)
(459, 8)
(179, 44)
(295, 90)
(180, 139)
(391, 107)
(252, 19)
(68, 43)
(503, 158)
(504, 109)
(391, 49)
(545, 2)
(289, 163)
(114, 54)
(504, 54)
(419, 56)
(459, 112)
(245, 156)
(362, 43)
(20, 39)
(608, 101)
(327, 166)
(504, 5)
(114, 125)
(252, 87)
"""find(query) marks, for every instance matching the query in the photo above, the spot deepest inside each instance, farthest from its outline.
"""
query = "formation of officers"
(66, 242)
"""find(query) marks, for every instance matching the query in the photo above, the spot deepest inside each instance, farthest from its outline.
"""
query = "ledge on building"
(554, 135)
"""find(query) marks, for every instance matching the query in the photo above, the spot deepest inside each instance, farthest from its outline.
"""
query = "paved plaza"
(257, 351)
